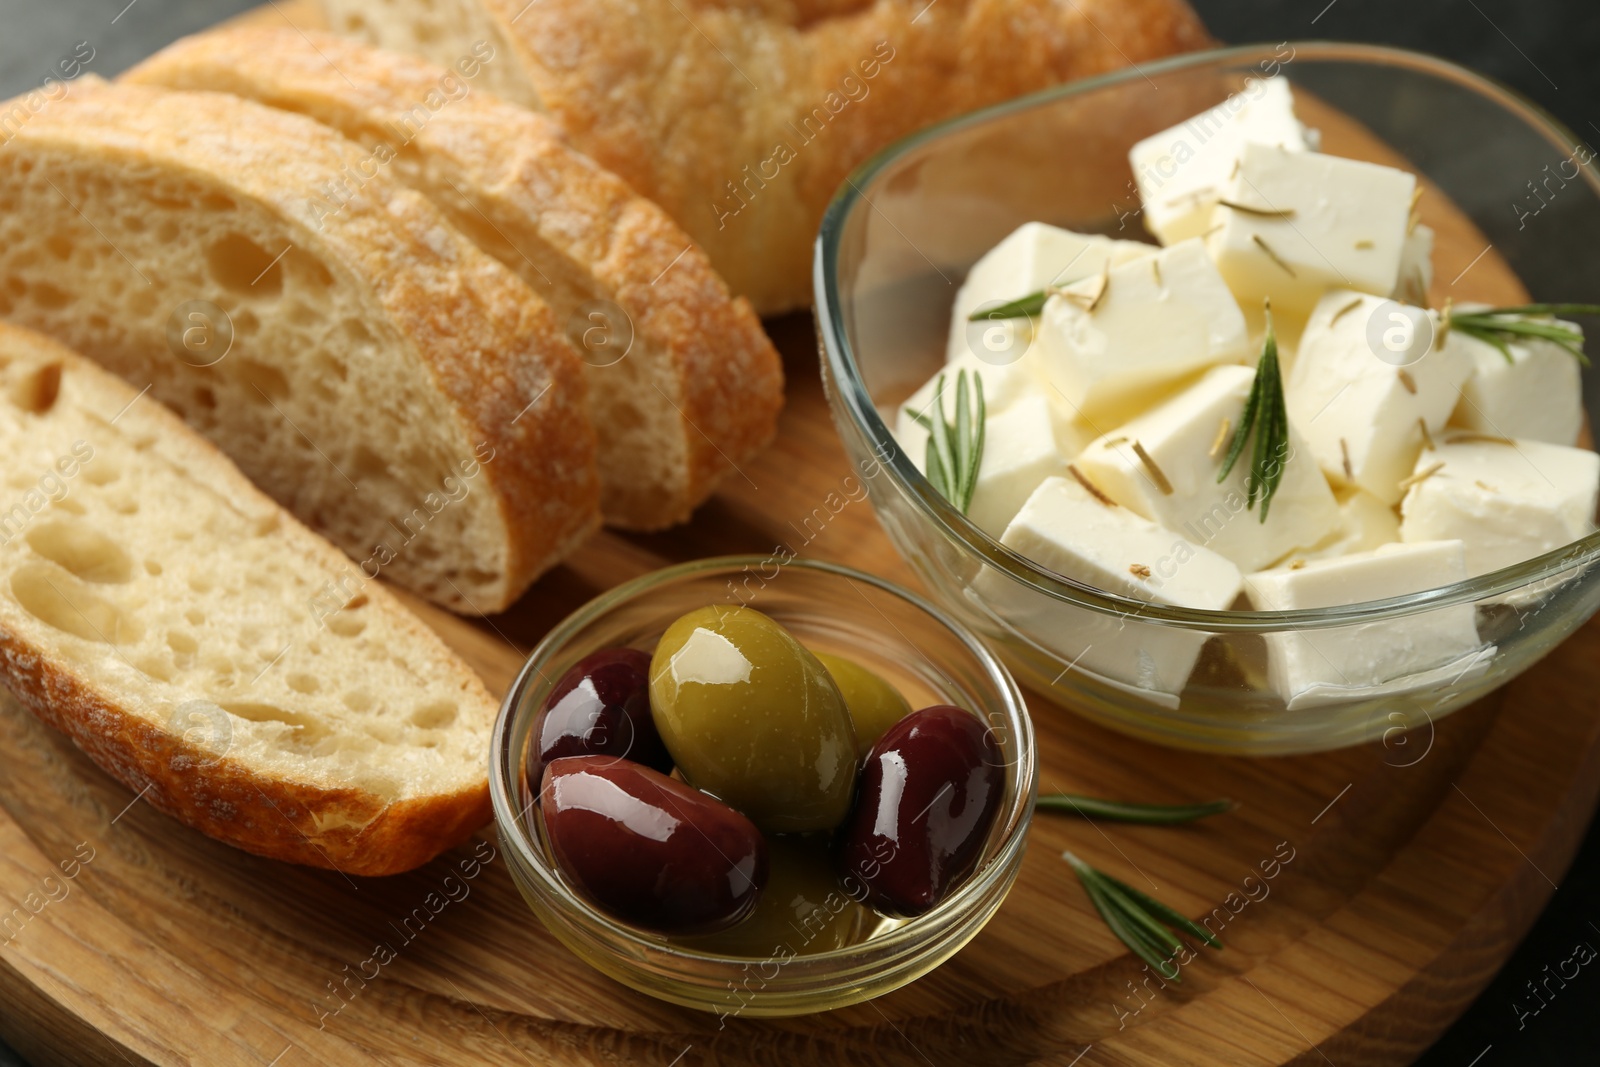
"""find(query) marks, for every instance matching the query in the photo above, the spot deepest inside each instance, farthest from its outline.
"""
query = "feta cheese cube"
(1416, 267)
(1064, 528)
(1163, 466)
(1180, 171)
(1019, 452)
(1033, 257)
(1359, 409)
(1506, 500)
(1108, 342)
(1537, 395)
(1315, 666)
(1365, 523)
(1306, 223)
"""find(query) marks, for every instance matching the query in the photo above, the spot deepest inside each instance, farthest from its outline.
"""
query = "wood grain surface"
(1402, 874)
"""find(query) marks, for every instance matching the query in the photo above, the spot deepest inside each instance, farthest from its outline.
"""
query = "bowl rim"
(1013, 820)
(934, 508)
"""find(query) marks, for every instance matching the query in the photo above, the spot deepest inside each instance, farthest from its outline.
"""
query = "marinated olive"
(601, 707)
(649, 849)
(874, 704)
(751, 716)
(802, 911)
(929, 791)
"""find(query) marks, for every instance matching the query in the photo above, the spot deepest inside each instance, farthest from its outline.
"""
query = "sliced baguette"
(393, 386)
(742, 118)
(218, 658)
(700, 388)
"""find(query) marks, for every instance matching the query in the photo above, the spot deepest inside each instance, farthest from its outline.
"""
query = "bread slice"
(742, 117)
(683, 384)
(396, 388)
(203, 647)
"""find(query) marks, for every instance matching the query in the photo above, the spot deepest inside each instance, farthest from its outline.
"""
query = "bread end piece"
(209, 652)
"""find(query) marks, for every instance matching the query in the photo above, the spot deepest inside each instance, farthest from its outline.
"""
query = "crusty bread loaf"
(742, 117)
(699, 388)
(217, 657)
(396, 388)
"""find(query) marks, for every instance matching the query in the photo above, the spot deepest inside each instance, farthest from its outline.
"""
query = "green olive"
(802, 911)
(874, 704)
(751, 717)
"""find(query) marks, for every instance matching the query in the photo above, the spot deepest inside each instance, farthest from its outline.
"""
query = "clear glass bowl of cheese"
(1349, 653)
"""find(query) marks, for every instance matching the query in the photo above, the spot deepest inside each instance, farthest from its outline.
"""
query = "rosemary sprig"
(1500, 326)
(1125, 811)
(1265, 412)
(1142, 923)
(955, 451)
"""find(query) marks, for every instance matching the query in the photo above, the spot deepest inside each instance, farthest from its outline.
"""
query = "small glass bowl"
(930, 657)
(904, 229)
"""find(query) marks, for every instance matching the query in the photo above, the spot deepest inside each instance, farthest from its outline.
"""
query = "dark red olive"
(649, 849)
(601, 707)
(929, 791)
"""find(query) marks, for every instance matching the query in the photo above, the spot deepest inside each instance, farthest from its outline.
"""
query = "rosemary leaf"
(939, 441)
(1141, 922)
(1172, 916)
(1022, 307)
(1128, 934)
(1123, 811)
(981, 422)
(1499, 326)
(936, 470)
(963, 442)
(954, 450)
(1242, 433)
(1266, 419)
(1136, 916)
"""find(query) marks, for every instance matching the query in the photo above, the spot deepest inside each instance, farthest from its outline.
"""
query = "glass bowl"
(904, 229)
(929, 656)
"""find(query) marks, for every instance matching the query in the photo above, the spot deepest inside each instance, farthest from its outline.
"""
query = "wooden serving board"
(1401, 876)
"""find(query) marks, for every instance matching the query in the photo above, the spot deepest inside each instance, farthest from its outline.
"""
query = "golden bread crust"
(574, 232)
(679, 97)
(490, 345)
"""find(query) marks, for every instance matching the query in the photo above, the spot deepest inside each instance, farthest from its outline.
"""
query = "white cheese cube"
(1019, 452)
(1537, 395)
(1174, 481)
(1156, 321)
(1063, 528)
(1506, 501)
(1363, 415)
(1035, 256)
(1365, 523)
(1314, 222)
(1181, 171)
(1311, 666)
(1003, 386)
(1416, 267)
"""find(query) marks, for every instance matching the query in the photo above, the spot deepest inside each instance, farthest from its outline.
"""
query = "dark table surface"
(1545, 49)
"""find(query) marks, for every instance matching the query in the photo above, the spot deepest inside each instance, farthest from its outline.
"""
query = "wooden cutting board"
(1402, 875)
